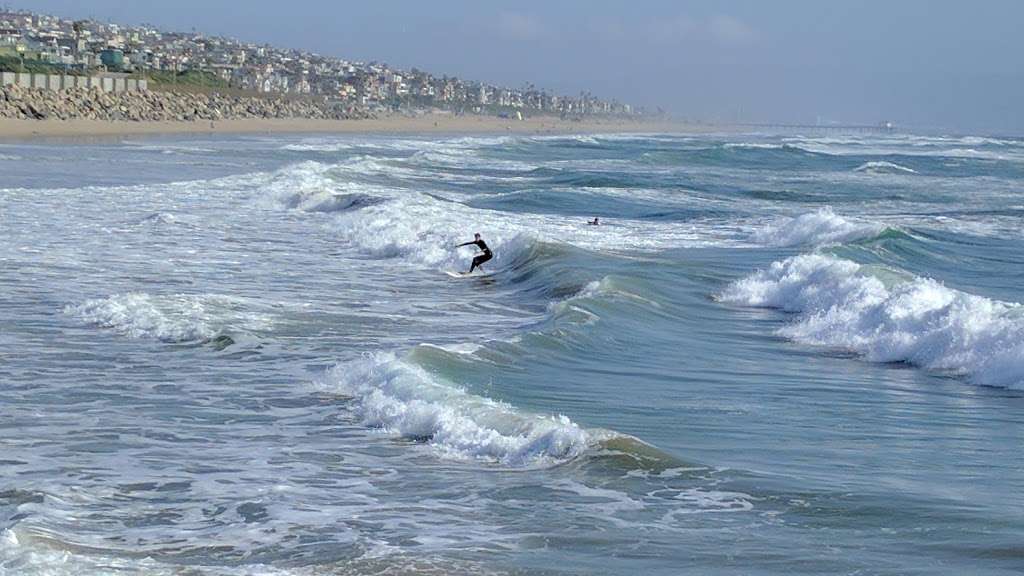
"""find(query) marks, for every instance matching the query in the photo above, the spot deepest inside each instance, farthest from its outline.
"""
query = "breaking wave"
(424, 227)
(822, 226)
(407, 395)
(919, 321)
(175, 318)
(309, 187)
(882, 167)
(325, 201)
(404, 399)
(424, 231)
(755, 146)
(324, 147)
(913, 146)
(159, 218)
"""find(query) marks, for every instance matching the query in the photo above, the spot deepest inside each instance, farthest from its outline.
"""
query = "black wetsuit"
(483, 257)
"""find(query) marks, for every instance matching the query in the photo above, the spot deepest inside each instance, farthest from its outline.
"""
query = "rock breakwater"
(95, 104)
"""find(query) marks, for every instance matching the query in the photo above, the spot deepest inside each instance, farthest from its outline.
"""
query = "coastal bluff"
(18, 102)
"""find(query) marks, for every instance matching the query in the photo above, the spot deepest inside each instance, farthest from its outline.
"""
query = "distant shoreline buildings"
(86, 46)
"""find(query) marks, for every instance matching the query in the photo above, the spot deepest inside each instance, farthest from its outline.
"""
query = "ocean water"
(779, 354)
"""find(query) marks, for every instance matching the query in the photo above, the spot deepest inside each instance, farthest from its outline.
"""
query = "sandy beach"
(437, 123)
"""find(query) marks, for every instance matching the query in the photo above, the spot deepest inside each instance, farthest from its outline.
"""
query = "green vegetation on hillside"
(187, 79)
(16, 64)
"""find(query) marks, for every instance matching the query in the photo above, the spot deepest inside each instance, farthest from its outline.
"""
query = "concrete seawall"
(105, 83)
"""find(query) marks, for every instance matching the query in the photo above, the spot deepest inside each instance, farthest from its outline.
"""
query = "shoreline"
(20, 129)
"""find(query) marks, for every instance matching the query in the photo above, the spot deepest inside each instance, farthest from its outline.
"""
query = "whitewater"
(778, 354)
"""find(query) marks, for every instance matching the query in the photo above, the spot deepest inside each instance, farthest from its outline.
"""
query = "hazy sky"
(928, 63)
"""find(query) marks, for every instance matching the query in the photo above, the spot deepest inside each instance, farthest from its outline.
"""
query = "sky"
(953, 65)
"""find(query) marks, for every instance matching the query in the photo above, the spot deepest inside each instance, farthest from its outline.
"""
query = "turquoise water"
(778, 354)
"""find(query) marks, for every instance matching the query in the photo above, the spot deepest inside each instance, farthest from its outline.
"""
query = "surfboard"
(467, 275)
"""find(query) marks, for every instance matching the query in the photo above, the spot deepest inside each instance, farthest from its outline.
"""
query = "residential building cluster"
(86, 45)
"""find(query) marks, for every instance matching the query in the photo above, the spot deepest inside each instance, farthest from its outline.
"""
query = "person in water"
(485, 252)
(594, 222)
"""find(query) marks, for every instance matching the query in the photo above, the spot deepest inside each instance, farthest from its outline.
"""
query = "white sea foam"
(462, 142)
(975, 140)
(754, 146)
(964, 140)
(581, 138)
(883, 167)
(25, 554)
(983, 225)
(611, 500)
(404, 399)
(309, 187)
(401, 145)
(919, 321)
(22, 555)
(464, 349)
(823, 226)
(160, 218)
(171, 318)
(393, 223)
(966, 147)
(169, 148)
(423, 230)
(303, 185)
(324, 147)
(462, 157)
(703, 501)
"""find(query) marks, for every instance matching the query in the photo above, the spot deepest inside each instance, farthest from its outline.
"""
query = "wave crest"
(918, 321)
(822, 226)
(404, 399)
(309, 187)
(175, 318)
(425, 230)
(882, 167)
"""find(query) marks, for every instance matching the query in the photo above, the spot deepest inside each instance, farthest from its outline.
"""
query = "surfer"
(485, 252)
(594, 222)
